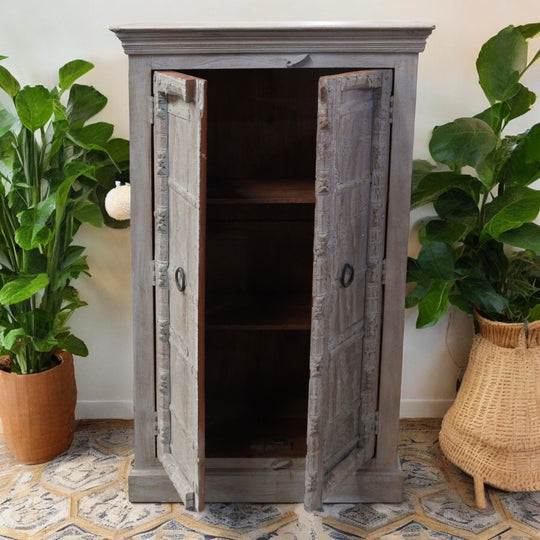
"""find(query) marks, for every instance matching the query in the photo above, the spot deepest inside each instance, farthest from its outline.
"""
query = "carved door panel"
(179, 201)
(353, 141)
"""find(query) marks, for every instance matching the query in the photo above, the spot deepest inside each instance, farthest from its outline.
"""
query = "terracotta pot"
(38, 411)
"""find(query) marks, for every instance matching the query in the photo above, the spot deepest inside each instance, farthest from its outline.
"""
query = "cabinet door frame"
(350, 223)
(180, 224)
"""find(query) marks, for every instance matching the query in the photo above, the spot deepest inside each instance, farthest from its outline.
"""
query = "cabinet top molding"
(278, 37)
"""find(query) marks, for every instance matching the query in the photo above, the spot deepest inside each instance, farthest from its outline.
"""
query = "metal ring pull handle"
(347, 275)
(180, 278)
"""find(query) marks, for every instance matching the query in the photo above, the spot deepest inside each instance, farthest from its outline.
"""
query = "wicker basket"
(492, 431)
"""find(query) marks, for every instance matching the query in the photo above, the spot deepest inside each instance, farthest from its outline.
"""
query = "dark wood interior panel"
(256, 393)
(249, 258)
(262, 124)
(263, 191)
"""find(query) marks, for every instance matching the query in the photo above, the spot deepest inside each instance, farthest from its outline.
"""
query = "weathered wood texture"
(350, 218)
(252, 198)
(279, 38)
(180, 154)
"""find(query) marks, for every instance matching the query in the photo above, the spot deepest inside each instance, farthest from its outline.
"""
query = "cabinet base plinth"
(152, 485)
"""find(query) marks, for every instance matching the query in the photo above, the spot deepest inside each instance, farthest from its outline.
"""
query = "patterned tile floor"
(82, 494)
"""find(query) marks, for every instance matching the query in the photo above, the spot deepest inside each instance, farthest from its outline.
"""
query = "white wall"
(41, 36)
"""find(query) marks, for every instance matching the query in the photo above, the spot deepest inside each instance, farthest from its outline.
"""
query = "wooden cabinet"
(270, 180)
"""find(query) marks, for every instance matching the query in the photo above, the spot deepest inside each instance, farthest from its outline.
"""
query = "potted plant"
(55, 169)
(480, 252)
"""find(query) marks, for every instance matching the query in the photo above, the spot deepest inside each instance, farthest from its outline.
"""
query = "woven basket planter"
(492, 431)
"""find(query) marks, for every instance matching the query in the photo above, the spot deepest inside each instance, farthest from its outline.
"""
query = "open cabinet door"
(353, 139)
(180, 202)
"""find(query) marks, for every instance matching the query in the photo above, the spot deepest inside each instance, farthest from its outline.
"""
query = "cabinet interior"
(262, 129)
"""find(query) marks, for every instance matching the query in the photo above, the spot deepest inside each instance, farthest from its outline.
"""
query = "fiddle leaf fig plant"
(481, 248)
(54, 168)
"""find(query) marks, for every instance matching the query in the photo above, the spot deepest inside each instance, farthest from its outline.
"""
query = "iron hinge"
(151, 109)
(383, 272)
(155, 424)
(153, 273)
(391, 112)
(376, 420)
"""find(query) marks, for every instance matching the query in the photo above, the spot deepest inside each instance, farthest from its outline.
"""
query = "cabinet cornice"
(274, 38)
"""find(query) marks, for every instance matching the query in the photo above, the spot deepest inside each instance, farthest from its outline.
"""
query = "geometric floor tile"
(34, 510)
(335, 534)
(81, 470)
(240, 516)
(414, 530)
(447, 507)
(524, 507)
(70, 532)
(369, 516)
(82, 495)
(110, 508)
(421, 475)
(169, 530)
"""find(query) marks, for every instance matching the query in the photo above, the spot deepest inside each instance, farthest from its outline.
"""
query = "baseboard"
(104, 409)
(424, 408)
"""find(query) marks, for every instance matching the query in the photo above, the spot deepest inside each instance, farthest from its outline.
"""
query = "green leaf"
(493, 116)
(118, 150)
(12, 337)
(414, 272)
(71, 254)
(71, 71)
(74, 345)
(465, 141)
(45, 344)
(83, 103)
(501, 61)
(516, 206)
(95, 134)
(456, 204)
(520, 103)
(529, 30)
(461, 303)
(70, 296)
(447, 231)
(534, 314)
(8, 82)
(482, 295)
(434, 184)
(521, 167)
(7, 121)
(22, 288)
(416, 295)
(7, 148)
(34, 106)
(436, 261)
(531, 145)
(34, 231)
(88, 212)
(434, 304)
(527, 237)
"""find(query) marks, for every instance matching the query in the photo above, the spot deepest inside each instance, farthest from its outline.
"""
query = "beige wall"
(40, 36)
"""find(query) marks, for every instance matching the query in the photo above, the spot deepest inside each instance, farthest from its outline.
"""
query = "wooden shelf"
(262, 191)
(268, 312)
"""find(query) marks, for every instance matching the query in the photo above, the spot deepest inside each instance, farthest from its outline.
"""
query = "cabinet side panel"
(399, 193)
(140, 89)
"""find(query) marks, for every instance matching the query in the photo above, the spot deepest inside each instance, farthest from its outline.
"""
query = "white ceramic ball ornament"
(117, 202)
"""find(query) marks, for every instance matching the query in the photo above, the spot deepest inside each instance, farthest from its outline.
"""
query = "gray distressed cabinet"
(270, 173)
